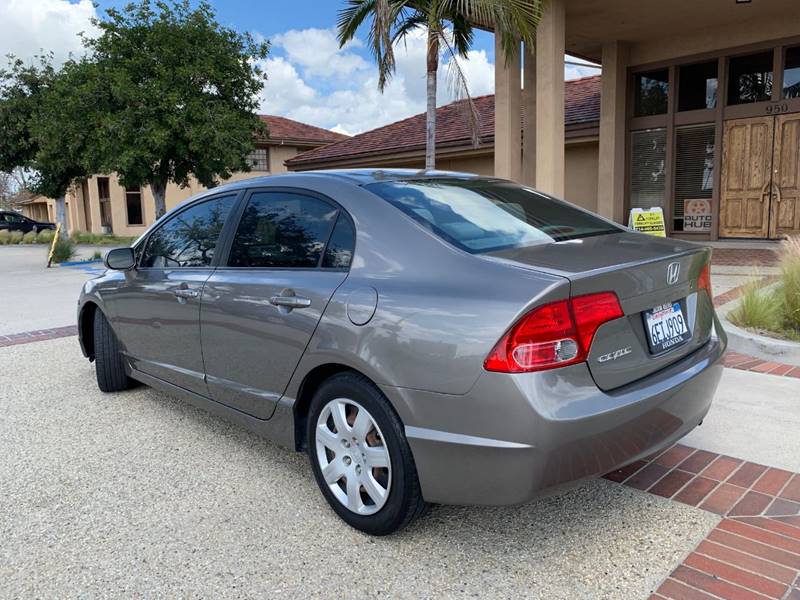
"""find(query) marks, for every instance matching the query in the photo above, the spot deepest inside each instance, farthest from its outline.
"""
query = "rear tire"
(385, 441)
(108, 361)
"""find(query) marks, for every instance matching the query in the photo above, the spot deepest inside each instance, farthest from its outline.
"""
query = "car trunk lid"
(650, 276)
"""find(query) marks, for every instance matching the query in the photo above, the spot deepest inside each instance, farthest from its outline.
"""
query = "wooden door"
(785, 201)
(746, 177)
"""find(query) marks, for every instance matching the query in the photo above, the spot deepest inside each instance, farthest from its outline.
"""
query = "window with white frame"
(259, 159)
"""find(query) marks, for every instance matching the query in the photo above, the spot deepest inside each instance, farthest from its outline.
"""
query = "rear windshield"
(484, 216)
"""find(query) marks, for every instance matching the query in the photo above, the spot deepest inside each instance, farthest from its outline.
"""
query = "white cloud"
(29, 27)
(317, 52)
(319, 83)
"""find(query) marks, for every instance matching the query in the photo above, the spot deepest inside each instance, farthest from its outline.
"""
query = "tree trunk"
(61, 215)
(430, 120)
(159, 192)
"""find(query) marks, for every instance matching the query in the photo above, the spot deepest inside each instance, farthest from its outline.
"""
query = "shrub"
(29, 238)
(45, 236)
(16, 237)
(5, 237)
(63, 251)
(790, 280)
(758, 309)
(82, 237)
(97, 255)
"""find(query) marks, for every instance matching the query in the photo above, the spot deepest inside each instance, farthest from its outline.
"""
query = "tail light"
(553, 335)
(704, 280)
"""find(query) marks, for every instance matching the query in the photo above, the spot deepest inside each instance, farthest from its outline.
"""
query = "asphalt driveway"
(138, 494)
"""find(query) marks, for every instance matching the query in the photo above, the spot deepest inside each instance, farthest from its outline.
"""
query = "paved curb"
(37, 335)
(754, 551)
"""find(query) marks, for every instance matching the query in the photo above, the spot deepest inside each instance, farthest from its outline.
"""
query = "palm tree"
(450, 25)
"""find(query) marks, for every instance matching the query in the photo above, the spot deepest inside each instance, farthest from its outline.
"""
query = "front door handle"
(186, 293)
(290, 301)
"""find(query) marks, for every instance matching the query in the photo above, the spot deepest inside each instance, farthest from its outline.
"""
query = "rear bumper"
(513, 436)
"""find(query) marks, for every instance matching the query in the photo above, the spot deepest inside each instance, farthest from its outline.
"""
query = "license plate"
(666, 327)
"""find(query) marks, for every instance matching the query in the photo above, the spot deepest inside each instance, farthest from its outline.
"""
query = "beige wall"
(581, 174)
(676, 44)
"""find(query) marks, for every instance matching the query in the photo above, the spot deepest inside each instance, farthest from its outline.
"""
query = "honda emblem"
(673, 273)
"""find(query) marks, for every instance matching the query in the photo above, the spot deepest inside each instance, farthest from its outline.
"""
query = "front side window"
(188, 239)
(652, 93)
(282, 230)
(485, 216)
(750, 78)
(133, 205)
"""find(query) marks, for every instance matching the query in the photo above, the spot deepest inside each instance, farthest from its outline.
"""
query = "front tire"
(360, 456)
(108, 361)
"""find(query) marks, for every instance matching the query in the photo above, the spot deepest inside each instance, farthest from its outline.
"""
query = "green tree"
(450, 25)
(28, 95)
(176, 95)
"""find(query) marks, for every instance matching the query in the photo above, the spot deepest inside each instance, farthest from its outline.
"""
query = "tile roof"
(287, 129)
(582, 105)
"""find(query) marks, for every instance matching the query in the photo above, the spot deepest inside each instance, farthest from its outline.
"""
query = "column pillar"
(550, 47)
(611, 167)
(529, 112)
(507, 115)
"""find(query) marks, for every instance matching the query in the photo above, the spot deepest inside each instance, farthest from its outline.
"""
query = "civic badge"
(673, 273)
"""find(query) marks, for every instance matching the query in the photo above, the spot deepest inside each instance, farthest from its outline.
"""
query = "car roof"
(355, 176)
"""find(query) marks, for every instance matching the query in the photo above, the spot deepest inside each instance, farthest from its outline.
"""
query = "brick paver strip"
(754, 551)
(721, 468)
(39, 335)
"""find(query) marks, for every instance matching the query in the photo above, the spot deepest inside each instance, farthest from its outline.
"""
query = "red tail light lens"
(704, 280)
(553, 335)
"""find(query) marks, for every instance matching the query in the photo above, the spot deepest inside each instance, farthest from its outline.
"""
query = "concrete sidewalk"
(754, 417)
(35, 297)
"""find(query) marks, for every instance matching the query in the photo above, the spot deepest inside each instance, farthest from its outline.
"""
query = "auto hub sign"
(697, 215)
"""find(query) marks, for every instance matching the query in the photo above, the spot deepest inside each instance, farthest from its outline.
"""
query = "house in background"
(101, 205)
(402, 144)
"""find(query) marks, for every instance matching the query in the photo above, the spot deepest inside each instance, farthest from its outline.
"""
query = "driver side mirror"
(120, 259)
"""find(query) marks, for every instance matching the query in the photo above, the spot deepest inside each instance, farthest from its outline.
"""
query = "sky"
(310, 78)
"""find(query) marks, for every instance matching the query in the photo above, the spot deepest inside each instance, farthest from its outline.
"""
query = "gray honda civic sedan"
(426, 337)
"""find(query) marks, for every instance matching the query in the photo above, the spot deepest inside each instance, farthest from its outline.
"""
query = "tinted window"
(282, 230)
(483, 216)
(791, 73)
(698, 86)
(339, 252)
(750, 78)
(189, 238)
(652, 93)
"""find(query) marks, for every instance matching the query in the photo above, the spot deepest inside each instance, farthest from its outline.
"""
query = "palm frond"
(459, 87)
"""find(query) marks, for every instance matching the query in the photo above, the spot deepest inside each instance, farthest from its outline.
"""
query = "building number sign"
(777, 108)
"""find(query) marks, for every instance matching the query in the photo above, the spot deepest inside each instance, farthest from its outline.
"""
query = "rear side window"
(339, 253)
(188, 239)
(281, 229)
(485, 216)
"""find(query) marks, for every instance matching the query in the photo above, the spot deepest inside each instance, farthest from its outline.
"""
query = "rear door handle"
(290, 301)
(182, 293)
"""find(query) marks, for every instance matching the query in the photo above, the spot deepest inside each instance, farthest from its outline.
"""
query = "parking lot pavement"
(35, 297)
(138, 494)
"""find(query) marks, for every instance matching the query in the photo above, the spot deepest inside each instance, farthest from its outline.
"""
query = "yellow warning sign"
(648, 220)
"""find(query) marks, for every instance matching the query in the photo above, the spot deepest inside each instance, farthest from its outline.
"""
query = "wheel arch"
(86, 328)
(309, 385)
